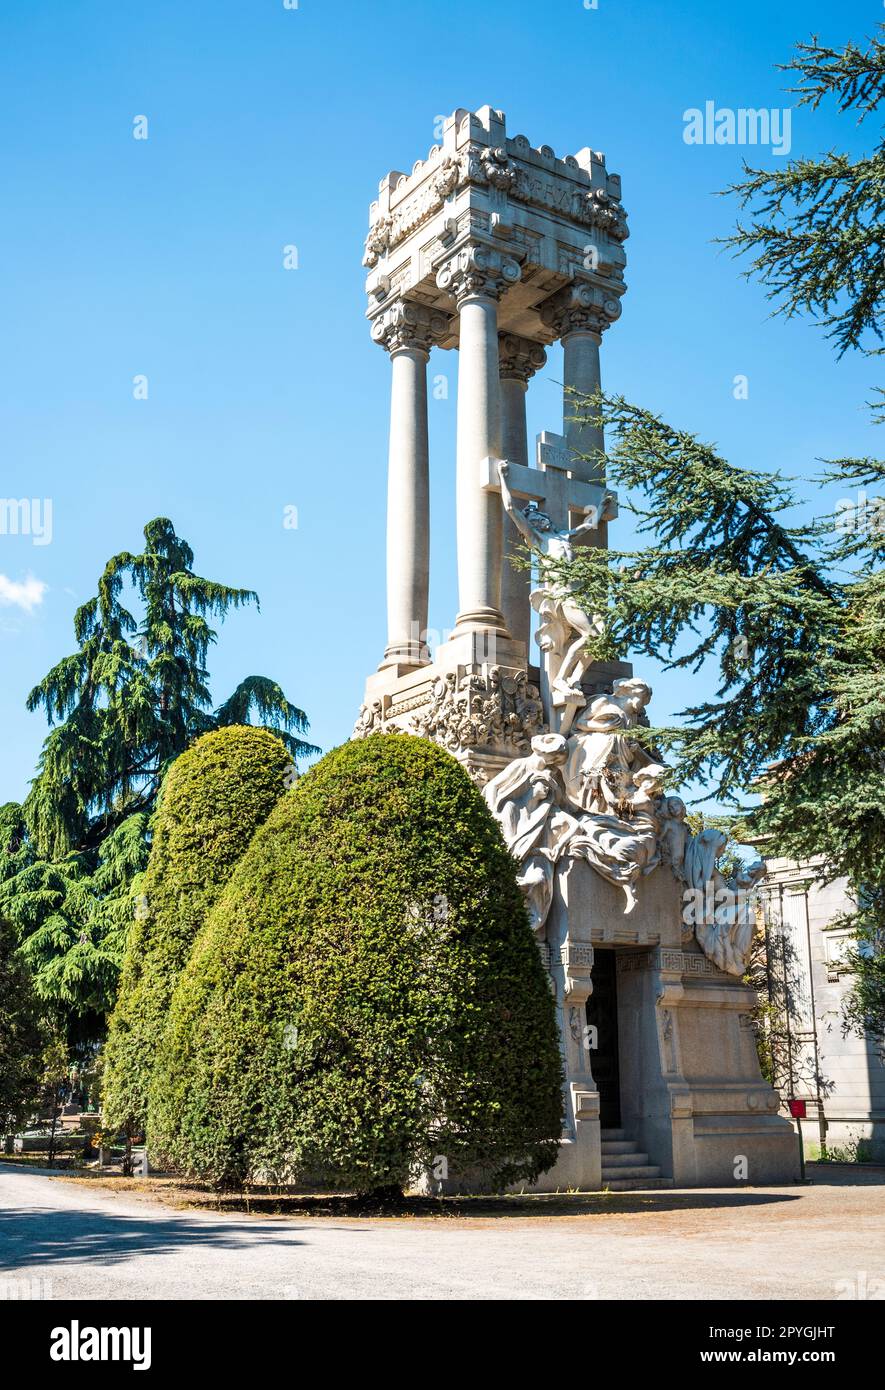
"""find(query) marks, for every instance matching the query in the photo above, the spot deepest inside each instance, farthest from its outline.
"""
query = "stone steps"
(634, 1159)
(637, 1184)
(625, 1174)
(625, 1167)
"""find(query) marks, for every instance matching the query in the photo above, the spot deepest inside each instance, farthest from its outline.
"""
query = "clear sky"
(270, 127)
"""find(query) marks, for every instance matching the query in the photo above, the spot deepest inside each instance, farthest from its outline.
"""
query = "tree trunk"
(51, 1159)
(390, 1195)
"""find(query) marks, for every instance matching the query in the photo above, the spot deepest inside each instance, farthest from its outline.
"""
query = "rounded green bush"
(213, 799)
(366, 996)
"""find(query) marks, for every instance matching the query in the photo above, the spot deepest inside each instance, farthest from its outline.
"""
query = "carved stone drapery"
(598, 796)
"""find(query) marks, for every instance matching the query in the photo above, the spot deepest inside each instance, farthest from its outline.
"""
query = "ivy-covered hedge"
(213, 799)
(367, 995)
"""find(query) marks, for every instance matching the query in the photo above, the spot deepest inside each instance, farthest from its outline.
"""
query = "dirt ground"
(98, 1236)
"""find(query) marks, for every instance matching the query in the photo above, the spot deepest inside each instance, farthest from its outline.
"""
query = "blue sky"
(271, 127)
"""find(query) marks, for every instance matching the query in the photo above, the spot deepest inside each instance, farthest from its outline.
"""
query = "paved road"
(820, 1242)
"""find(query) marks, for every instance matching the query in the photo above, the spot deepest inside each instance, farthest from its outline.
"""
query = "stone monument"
(497, 249)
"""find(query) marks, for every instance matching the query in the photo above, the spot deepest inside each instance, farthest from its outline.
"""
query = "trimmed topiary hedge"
(214, 798)
(367, 994)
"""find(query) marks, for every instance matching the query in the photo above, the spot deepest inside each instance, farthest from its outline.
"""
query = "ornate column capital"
(409, 326)
(519, 358)
(477, 272)
(579, 307)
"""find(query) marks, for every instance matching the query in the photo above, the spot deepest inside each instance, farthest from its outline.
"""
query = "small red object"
(798, 1109)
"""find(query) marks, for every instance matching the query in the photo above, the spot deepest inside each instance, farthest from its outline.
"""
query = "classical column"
(519, 359)
(407, 332)
(476, 276)
(579, 315)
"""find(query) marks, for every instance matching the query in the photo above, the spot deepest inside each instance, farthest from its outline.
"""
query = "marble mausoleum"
(497, 249)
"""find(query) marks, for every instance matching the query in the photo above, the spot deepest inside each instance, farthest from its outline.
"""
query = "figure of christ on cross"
(565, 625)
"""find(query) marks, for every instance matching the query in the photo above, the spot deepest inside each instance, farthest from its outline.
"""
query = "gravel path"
(825, 1241)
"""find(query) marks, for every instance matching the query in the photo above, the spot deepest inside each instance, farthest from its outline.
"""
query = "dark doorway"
(602, 1014)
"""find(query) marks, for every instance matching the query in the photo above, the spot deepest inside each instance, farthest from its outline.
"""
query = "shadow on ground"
(301, 1205)
(32, 1236)
(95, 1232)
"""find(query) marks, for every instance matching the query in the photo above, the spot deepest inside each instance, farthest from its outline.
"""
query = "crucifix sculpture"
(565, 626)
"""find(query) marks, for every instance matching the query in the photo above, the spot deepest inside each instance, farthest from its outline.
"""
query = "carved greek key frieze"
(668, 960)
(572, 954)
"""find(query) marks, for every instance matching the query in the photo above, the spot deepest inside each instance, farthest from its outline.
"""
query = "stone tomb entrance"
(603, 1042)
(668, 1091)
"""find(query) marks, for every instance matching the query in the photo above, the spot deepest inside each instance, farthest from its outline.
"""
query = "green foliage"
(21, 1036)
(864, 1009)
(135, 694)
(367, 993)
(794, 615)
(126, 703)
(815, 234)
(214, 798)
(71, 915)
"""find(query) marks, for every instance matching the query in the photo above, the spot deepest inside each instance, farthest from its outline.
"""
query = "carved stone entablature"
(477, 270)
(669, 961)
(519, 358)
(572, 954)
(601, 210)
(580, 305)
(409, 325)
(481, 188)
(490, 166)
(378, 241)
(579, 189)
(388, 231)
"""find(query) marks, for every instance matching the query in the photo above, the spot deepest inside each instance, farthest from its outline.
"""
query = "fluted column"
(581, 377)
(579, 314)
(519, 359)
(476, 276)
(407, 332)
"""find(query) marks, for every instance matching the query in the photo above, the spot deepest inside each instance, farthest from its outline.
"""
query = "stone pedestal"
(465, 699)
